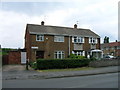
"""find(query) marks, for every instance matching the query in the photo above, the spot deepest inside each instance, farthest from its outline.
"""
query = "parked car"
(108, 57)
(117, 57)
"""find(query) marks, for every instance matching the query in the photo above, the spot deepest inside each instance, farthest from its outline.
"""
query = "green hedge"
(61, 63)
(73, 56)
(33, 65)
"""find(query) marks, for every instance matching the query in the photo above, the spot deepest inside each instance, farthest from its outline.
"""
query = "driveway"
(16, 72)
(10, 68)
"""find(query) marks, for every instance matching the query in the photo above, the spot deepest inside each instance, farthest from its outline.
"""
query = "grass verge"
(68, 69)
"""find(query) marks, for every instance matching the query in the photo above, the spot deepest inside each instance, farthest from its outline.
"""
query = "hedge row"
(59, 64)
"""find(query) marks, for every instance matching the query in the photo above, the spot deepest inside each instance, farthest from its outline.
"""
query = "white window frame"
(93, 40)
(81, 53)
(40, 36)
(76, 39)
(58, 38)
(59, 54)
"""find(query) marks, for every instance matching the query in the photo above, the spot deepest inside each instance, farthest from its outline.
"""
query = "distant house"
(43, 41)
(112, 48)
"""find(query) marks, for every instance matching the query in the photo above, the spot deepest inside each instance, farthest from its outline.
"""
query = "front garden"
(72, 62)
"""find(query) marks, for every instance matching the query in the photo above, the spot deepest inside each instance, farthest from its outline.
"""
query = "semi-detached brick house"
(112, 48)
(43, 41)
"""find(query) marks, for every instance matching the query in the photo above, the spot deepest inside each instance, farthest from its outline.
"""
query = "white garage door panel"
(23, 57)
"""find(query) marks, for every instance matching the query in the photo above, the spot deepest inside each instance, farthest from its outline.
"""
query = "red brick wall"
(14, 57)
(5, 59)
(49, 46)
(28, 44)
(118, 52)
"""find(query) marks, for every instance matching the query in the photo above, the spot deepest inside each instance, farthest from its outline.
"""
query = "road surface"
(94, 81)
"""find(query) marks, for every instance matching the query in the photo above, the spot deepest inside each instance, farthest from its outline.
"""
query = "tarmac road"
(109, 80)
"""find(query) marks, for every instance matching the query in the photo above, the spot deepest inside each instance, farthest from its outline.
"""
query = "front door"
(39, 54)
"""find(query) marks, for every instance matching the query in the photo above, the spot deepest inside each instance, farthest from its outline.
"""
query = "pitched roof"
(56, 30)
(114, 44)
(111, 44)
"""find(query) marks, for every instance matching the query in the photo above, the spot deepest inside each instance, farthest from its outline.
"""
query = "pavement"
(19, 72)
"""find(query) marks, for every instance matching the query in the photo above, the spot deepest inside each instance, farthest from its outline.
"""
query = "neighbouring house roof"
(114, 44)
(56, 30)
(111, 44)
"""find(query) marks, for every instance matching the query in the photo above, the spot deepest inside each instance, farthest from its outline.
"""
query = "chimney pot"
(75, 26)
(42, 23)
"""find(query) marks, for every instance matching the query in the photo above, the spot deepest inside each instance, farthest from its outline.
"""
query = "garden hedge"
(61, 63)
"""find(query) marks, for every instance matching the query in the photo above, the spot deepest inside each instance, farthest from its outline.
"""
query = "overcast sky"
(101, 16)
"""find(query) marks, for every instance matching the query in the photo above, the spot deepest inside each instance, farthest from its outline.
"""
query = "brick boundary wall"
(104, 63)
(14, 57)
(4, 59)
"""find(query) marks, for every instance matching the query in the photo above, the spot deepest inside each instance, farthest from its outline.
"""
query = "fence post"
(27, 63)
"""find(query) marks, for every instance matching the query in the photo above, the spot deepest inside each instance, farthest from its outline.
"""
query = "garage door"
(23, 57)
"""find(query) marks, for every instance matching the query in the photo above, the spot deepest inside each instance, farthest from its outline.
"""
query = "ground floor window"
(59, 55)
(39, 54)
(81, 53)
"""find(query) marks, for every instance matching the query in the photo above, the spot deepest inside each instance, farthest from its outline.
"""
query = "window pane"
(90, 40)
(62, 55)
(37, 37)
(75, 39)
(56, 56)
(81, 39)
(59, 56)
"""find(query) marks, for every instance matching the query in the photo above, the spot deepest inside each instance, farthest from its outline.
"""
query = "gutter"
(69, 45)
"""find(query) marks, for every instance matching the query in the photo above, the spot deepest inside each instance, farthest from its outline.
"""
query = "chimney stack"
(75, 26)
(42, 23)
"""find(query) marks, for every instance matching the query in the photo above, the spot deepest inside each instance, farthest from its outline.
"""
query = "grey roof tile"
(57, 30)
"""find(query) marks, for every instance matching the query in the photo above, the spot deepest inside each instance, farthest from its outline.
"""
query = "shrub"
(80, 57)
(61, 63)
(93, 59)
(75, 56)
(72, 56)
(33, 65)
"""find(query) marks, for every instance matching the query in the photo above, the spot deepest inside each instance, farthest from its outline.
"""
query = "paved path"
(19, 72)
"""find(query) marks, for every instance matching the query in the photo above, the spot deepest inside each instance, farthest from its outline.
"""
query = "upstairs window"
(39, 37)
(93, 40)
(76, 39)
(58, 38)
